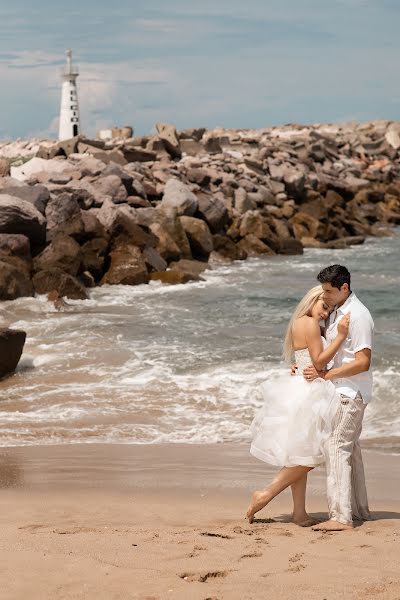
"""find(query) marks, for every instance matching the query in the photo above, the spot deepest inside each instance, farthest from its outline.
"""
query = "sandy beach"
(166, 521)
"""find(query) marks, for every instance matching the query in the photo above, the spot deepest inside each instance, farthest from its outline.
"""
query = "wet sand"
(155, 522)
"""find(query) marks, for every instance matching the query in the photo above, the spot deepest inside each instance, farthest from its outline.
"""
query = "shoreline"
(155, 522)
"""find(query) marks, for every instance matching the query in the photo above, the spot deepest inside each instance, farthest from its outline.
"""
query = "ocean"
(156, 364)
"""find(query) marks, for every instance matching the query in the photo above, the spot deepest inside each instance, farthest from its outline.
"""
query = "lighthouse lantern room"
(69, 111)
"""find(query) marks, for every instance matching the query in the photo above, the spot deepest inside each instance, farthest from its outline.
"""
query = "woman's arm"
(319, 356)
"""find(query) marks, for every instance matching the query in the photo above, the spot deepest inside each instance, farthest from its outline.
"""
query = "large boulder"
(253, 246)
(254, 223)
(199, 236)
(112, 187)
(39, 165)
(304, 225)
(93, 256)
(242, 202)
(167, 133)
(12, 343)
(20, 216)
(127, 267)
(91, 225)
(55, 279)
(198, 176)
(177, 195)
(64, 215)
(15, 245)
(38, 195)
(173, 243)
(290, 246)
(154, 261)
(137, 154)
(213, 211)
(63, 253)
(225, 248)
(15, 280)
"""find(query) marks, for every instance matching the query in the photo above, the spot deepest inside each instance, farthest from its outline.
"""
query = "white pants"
(347, 493)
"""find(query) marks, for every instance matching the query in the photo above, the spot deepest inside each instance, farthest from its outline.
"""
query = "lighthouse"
(69, 111)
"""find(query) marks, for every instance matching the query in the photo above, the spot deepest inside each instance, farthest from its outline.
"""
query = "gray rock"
(55, 279)
(12, 343)
(64, 216)
(112, 187)
(178, 196)
(137, 154)
(91, 225)
(63, 253)
(154, 261)
(242, 202)
(168, 134)
(213, 210)
(199, 176)
(20, 216)
(199, 236)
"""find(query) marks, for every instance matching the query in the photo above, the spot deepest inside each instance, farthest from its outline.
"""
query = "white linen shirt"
(360, 336)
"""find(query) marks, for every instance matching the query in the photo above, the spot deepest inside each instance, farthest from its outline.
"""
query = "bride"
(296, 419)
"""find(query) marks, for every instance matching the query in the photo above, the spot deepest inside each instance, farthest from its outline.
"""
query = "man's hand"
(310, 373)
(293, 369)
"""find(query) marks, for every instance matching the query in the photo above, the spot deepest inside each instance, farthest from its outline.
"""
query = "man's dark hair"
(336, 275)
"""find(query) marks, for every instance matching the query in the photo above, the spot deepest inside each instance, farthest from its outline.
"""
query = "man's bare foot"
(258, 501)
(332, 526)
(304, 520)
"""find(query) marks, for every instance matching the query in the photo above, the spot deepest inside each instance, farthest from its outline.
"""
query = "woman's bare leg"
(286, 476)
(300, 515)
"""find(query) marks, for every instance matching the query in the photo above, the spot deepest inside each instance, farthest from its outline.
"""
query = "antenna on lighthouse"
(69, 111)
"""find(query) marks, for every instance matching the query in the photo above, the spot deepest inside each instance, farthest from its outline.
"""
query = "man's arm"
(360, 364)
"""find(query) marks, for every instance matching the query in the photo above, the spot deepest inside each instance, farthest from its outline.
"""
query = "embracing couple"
(315, 417)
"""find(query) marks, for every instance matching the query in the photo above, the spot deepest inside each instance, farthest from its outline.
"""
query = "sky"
(209, 63)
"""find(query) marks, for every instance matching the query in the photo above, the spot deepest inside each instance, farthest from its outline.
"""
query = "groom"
(352, 376)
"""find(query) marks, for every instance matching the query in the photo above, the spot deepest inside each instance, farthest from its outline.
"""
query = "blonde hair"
(303, 308)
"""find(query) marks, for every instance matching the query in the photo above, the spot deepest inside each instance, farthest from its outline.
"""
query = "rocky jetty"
(81, 213)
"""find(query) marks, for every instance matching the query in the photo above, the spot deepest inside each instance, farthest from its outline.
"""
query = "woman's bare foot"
(258, 501)
(332, 525)
(304, 520)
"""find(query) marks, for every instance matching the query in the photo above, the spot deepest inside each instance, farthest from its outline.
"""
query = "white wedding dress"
(296, 419)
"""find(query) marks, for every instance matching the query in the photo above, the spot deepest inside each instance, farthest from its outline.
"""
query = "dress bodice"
(303, 360)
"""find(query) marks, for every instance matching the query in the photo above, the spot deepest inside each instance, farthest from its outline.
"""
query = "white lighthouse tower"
(69, 111)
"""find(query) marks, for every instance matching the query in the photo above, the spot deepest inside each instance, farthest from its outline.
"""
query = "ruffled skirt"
(295, 421)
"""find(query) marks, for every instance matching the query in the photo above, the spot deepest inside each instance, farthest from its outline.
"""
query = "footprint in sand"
(196, 551)
(239, 529)
(217, 535)
(33, 527)
(251, 555)
(74, 530)
(203, 577)
(294, 567)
